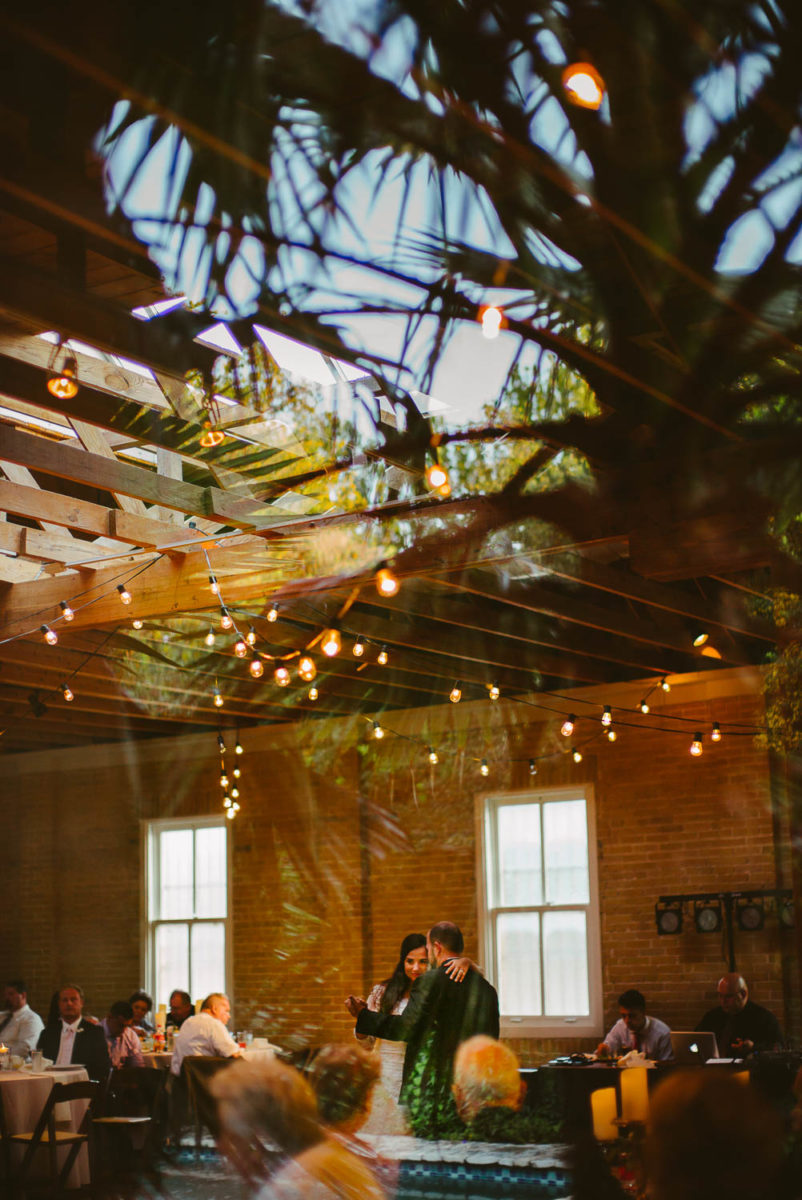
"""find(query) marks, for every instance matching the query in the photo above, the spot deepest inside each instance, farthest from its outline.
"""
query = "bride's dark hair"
(397, 984)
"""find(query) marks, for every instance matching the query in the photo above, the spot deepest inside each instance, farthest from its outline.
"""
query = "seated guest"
(489, 1091)
(74, 1039)
(739, 1024)
(343, 1078)
(142, 1003)
(20, 1026)
(180, 1009)
(205, 1033)
(123, 1043)
(635, 1031)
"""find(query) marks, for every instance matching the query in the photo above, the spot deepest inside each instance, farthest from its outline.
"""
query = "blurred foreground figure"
(489, 1092)
(712, 1135)
(271, 1133)
(344, 1078)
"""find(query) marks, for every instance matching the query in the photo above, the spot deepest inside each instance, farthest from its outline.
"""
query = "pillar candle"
(604, 1111)
(634, 1094)
(198, 1004)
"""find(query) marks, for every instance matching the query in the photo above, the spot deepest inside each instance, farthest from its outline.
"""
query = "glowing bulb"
(567, 727)
(125, 595)
(433, 758)
(218, 698)
(455, 694)
(235, 806)
(226, 620)
(230, 814)
(387, 583)
(234, 794)
(67, 692)
(484, 769)
(665, 685)
(313, 693)
(359, 648)
(64, 385)
(250, 636)
(50, 635)
(281, 676)
(240, 647)
(532, 767)
(696, 745)
(209, 639)
(584, 85)
(492, 319)
(272, 613)
(66, 611)
(494, 691)
(211, 437)
(306, 668)
(577, 756)
(226, 802)
(332, 643)
(607, 716)
(137, 622)
(256, 667)
(611, 735)
(238, 747)
(700, 637)
(237, 772)
(644, 707)
(437, 479)
(382, 657)
(224, 780)
(715, 736)
(214, 586)
(221, 744)
(378, 732)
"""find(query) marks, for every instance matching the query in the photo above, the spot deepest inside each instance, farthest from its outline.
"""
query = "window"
(187, 899)
(541, 912)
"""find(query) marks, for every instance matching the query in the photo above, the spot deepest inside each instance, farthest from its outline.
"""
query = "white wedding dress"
(386, 1115)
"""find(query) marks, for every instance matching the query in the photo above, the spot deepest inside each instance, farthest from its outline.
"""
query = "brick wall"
(343, 847)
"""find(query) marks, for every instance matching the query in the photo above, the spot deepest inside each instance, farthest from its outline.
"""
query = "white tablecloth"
(23, 1095)
(162, 1059)
(258, 1054)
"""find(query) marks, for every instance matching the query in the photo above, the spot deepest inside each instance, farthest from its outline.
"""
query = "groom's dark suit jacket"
(89, 1048)
(450, 1012)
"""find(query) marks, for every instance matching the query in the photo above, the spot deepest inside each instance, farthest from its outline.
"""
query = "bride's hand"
(458, 968)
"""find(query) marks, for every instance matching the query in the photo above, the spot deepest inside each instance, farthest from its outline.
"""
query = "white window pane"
(517, 937)
(519, 869)
(565, 964)
(565, 834)
(171, 954)
(175, 874)
(208, 959)
(210, 872)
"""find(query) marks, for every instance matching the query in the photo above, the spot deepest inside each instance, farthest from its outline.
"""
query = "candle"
(634, 1094)
(604, 1111)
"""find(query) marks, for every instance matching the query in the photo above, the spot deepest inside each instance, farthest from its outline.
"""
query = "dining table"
(23, 1094)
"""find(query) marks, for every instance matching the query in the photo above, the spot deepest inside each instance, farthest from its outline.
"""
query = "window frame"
(527, 1025)
(150, 831)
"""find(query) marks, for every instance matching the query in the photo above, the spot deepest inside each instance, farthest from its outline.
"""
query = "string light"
(382, 657)
(700, 637)
(256, 667)
(715, 736)
(209, 639)
(63, 384)
(313, 693)
(576, 755)
(611, 735)
(607, 716)
(643, 706)
(494, 691)
(583, 85)
(433, 756)
(331, 643)
(230, 814)
(125, 595)
(214, 586)
(218, 697)
(221, 744)
(567, 727)
(484, 769)
(250, 636)
(532, 767)
(235, 795)
(211, 437)
(437, 479)
(237, 772)
(223, 780)
(665, 685)
(50, 635)
(281, 676)
(306, 668)
(492, 319)
(66, 611)
(378, 732)
(238, 746)
(226, 620)
(272, 613)
(137, 622)
(696, 745)
(67, 692)
(359, 648)
(240, 647)
(455, 694)
(387, 583)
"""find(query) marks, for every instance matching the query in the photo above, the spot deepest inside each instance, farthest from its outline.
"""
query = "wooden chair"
(196, 1072)
(46, 1135)
(133, 1110)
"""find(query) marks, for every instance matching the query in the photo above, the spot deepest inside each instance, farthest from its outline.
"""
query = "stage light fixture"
(707, 916)
(750, 913)
(668, 918)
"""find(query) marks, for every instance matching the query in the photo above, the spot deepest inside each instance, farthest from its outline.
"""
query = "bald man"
(488, 1091)
(740, 1025)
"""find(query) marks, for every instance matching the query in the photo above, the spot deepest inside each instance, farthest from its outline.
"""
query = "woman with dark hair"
(141, 1003)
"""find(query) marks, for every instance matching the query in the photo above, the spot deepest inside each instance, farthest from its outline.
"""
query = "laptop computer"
(693, 1048)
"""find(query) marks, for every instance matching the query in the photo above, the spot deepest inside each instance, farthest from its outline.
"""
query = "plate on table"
(68, 1067)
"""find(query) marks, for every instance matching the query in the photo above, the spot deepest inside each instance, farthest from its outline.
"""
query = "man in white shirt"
(20, 1026)
(205, 1033)
(635, 1031)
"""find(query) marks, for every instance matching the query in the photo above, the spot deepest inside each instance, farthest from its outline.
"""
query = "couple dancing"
(434, 1000)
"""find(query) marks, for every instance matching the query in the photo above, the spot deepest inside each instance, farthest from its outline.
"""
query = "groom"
(441, 1014)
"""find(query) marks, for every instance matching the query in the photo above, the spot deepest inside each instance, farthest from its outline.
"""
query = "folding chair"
(47, 1135)
(197, 1071)
(133, 1108)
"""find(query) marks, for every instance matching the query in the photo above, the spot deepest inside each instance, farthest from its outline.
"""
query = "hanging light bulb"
(226, 802)
(125, 595)
(492, 319)
(281, 676)
(359, 648)
(63, 384)
(643, 706)
(437, 479)
(235, 794)
(433, 756)
(665, 685)
(235, 806)
(211, 437)
(583, 85)
(576, 755)
(50, 635)
(696, 745)
(237, 772)
(272, 613)
(494, 691)
(607, 716)
(218, 698)
(230, 814)
(387, 583)
(567, 727)
(256, 667)
(611, 735)
(715, 736)
(532, 767)
(250, 636)
(382, 657)
(484, 769)
(331, 643)
(67, 692)
(226, 620)
(306, 668)
(700, 636)
(313, 693)
(209, 639)
(378, 732)
(238, 746)
(221, 746)
(240, 647)
(137, 622)
(66, 611)
(223, 780)
(214, 586)
(455, 695)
